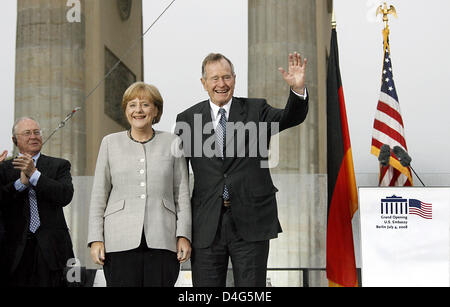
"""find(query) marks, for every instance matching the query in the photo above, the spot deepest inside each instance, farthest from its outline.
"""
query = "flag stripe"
(420, 213)
(386, 176)
(341, 265)
(395, 177)
(342, 193)
(424, 210)
(391, 102)
(394, 164)
(386, 109)
(388, 130)
(382, 138)
(390, 121)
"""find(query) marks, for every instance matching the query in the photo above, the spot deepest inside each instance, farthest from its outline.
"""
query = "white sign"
(405, 236)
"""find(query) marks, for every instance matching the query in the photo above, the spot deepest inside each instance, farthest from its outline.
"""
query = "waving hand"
(295, 76)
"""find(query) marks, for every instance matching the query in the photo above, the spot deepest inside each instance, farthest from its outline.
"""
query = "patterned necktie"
(35, 222)
(34, 214)
(221, 132)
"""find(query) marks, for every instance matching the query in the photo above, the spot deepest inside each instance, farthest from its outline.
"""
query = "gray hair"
(19, 120)
(215, 57)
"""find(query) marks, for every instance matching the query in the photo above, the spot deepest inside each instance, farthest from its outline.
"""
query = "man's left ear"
(203, 81)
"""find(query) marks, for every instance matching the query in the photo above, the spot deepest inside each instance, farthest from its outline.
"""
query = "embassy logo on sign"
(396, 205)
(395, 210)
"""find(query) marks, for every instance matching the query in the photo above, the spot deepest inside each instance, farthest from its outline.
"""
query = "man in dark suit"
(226, 140)
(2, 234)
(35, 188)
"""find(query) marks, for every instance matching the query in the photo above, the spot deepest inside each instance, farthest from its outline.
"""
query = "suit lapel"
(42, 163)
(238, 113)
(206, 123)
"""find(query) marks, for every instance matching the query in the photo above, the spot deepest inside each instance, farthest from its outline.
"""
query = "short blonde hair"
(146, 91)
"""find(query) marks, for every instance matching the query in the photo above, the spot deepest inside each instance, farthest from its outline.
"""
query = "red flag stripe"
(385, 108)
(385, 140)
(382, 127)
(390, 101)
(385, 118)
(341, 270)
(344, 123)
(390, 122)
(394, 178)
(420, 213)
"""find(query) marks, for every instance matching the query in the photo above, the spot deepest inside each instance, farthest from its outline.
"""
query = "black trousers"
(3, 264)
(33, 271)
(249, 259)
(141, 267)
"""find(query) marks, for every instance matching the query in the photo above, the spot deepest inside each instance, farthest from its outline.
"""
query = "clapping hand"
(295, 76)
(3, 155)
(26, 166)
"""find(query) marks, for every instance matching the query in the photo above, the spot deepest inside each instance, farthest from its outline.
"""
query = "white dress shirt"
(215, 116)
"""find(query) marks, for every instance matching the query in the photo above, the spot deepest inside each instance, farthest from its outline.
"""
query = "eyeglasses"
(28, 133)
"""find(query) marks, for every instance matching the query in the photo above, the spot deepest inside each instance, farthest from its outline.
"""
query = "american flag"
(421, 209)
(388, 128)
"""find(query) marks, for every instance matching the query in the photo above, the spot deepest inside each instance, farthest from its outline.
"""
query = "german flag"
(342, 194)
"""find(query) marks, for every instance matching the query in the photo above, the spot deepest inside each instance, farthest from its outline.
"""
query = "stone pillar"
(50, 76)
(277, 28)
(113, 32)
(58, 63)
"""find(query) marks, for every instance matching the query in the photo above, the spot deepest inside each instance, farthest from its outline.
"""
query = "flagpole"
(385, 179)
(333, 20)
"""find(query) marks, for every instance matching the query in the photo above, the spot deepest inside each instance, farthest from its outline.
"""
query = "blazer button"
(141, 171)
(142, 184)
(225, 175)
(143, 196)
(142, 160)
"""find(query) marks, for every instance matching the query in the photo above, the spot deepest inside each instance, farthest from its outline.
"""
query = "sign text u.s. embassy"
(395, 211)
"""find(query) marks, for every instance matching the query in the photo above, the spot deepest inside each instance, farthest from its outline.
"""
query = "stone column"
(58, 63)
(110, 37)
(50, 76)
(277, 28)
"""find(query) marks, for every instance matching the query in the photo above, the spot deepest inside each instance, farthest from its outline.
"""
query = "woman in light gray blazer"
(140, 211)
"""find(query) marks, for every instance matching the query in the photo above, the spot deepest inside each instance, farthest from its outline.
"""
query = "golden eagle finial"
(386, 11)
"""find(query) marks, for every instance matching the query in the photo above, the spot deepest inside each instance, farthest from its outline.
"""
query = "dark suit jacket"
(3, 268)
(54, 190)
(2, 225)
(254, 207)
